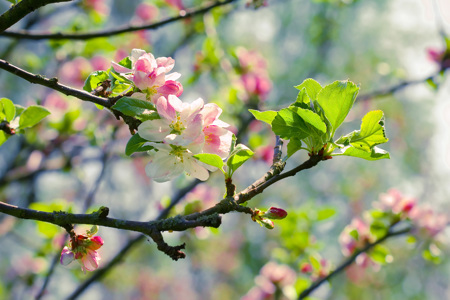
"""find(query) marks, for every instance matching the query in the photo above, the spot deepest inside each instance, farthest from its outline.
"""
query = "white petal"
(173, 76)
(154, 130)
(194, 169)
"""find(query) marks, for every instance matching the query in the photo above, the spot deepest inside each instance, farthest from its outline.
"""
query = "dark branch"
(184, 14)
(66, 90)
(20, 10)
(349, 261)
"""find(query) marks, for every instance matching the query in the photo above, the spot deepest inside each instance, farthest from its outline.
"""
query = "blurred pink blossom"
(75, 72)
(178, 4)
(427, 221)
(355, 236)
(146, 12)
(98, 6)
(394, 201)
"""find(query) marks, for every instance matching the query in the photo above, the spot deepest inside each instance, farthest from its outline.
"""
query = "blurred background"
(240, 56)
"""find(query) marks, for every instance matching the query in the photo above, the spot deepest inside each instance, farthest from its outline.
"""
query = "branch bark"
(184, 14)
(20, 10)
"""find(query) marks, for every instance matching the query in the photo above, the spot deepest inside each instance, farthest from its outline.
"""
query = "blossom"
(355, 236)
(83, 248)
(150, 75)
(395, 202)
(218, 139)
(171, 161)
(180, 124)
(427, 221)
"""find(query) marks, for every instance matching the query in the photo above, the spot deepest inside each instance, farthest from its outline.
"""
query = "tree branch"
(69, 91)
(350, 260)
(20, 10)
(184, 14)
(395, 88)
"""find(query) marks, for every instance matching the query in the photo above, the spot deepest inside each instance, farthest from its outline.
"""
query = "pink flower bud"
(67, 256)
(275, 213)
(306, 268)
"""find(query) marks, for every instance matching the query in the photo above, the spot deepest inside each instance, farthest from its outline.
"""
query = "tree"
(309, 157)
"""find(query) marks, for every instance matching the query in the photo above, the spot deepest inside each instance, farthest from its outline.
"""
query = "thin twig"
(20, 10)
(349, 261)
(184, 14)
(393, 89)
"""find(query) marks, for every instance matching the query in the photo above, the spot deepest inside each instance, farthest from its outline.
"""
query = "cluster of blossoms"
(316, 268)
(254, 76)
(150, 76)
(273, 280)
(83, 248)
(182, 129)
(395, 207)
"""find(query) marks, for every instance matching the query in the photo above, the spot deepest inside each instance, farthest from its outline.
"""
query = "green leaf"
(119, 88)
(210, 159)
(136, 144)
(8, 109)
(302, 97)
(288, 124)
(239, 155)
(3, 137)
(293, 146)
(325, 213)
(32, 115)
(264, 116)
(114, 75)
(126, 62)
(372, 132)
(375, 154)
(313, 121)
(133, 107)
(380, 254)
(378, 229)
(312, 88)
(94, 79)
(354, 234)
(337, 99)
(19, 109)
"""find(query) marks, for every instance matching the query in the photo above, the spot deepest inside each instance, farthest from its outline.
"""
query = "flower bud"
(267, 223)
(275, 213)
(67, 256)
(306, 268)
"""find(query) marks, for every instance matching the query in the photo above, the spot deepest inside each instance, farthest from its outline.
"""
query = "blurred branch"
(395, 88)
(350, 260)
(20, 10)
(184, 14)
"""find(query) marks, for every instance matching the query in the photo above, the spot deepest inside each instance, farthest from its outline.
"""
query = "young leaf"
(372, 132)
(337, 99)
(311, 87)
(302, 97)
(210, 159)
(325, 213)
(133, 107)
(380, 254)
(32, 115)
(375, 154)
(126, 62)
(136, 144)
(293, 146)
(288, 124)
(240, 155)
(313, 121)
(94, 79)
(264, 116)
(8, 109)
(3, 137)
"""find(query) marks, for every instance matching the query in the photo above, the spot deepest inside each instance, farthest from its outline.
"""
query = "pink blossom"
(146, 12)
(83, 249)
(99, 62)
(427, 221)
(180, 123)
(74, 72)
(397, 203)
(98, 6)
(217, 139)
(355, 236)
(150, 74)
